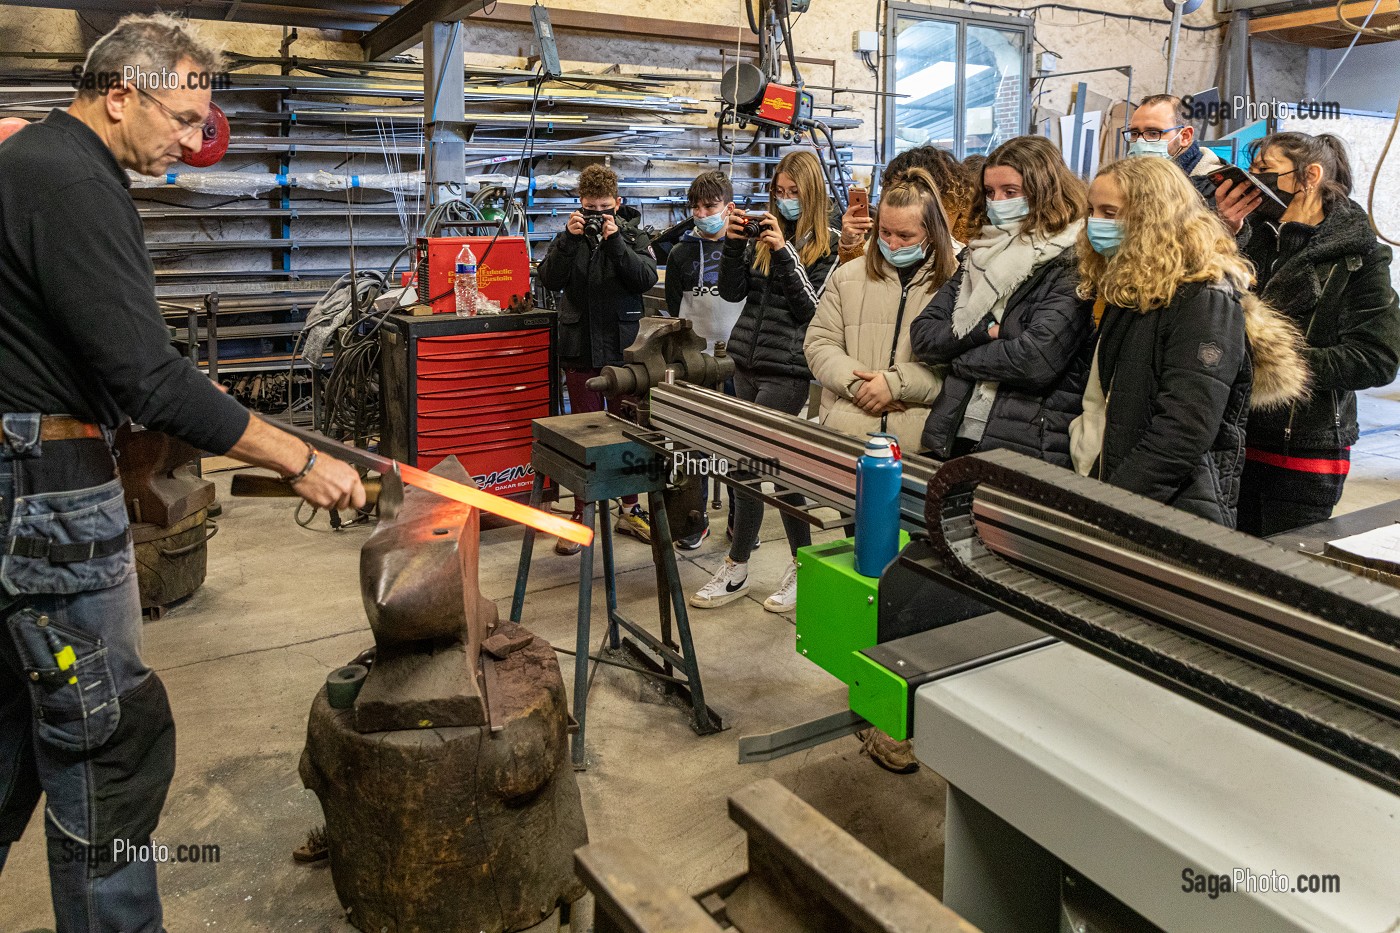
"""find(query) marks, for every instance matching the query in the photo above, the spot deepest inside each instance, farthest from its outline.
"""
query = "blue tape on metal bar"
(170, 177)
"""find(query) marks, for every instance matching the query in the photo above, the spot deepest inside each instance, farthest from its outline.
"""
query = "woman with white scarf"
(1009, 327)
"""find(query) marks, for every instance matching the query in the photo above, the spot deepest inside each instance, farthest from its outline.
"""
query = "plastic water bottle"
(465, 284)
(878, 478)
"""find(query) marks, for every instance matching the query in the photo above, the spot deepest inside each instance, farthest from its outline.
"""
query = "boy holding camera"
(602, 262)
(692, 285)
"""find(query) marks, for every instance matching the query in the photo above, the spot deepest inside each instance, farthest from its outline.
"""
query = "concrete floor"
(244, 656)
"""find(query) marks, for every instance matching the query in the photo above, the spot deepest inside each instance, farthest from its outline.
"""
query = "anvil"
(418, 581)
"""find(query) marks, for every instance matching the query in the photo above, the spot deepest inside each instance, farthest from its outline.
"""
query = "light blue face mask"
(1142, 147)
(1007, 211)
(712, 224)
(791, 208)
(904, 257)
(1105, 235)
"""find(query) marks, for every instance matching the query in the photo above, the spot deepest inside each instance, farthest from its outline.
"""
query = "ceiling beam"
(404, 29)
(376, 8)
(1324, 16)
(634, 27)
(272, 14)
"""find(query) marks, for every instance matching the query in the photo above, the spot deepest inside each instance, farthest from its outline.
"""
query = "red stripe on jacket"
(1300, 464)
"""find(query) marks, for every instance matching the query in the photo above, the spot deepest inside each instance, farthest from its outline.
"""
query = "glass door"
(956, 80)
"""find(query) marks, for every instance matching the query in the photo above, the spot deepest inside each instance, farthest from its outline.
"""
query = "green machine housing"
(884, 638)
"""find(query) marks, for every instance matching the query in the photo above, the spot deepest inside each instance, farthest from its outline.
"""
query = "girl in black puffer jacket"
(1319, 263)
(780, 276)
(1183, 350)
(1009, 325)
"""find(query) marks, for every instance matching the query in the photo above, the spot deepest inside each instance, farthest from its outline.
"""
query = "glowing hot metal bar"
(487, 502)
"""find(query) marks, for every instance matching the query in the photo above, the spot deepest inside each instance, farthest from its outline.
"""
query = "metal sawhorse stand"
(589, 454)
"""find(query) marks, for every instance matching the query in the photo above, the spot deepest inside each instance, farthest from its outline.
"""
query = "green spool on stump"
(343, 685)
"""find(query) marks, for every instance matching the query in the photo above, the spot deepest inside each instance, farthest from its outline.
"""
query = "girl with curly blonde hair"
(1183, 349)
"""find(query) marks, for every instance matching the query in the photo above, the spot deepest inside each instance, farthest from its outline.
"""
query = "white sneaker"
(729, 583)
(785, 600)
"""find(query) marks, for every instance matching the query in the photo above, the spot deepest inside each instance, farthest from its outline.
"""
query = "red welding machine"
(501, 275)
(753, 96)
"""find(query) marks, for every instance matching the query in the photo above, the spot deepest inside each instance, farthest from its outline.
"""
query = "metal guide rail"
(805, 456)
(1302, 651)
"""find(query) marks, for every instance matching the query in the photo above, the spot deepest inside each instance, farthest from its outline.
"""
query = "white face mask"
(904, 257)
(1007, 211)
(791, 208)
(1142, 147)
(712, 223)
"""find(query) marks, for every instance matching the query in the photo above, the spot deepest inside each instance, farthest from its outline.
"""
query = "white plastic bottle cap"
(878, 447)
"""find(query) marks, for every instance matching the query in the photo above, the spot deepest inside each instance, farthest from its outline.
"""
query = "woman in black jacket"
(1319, 263)
(1009, 325)
(780, 275)
(1181, 345)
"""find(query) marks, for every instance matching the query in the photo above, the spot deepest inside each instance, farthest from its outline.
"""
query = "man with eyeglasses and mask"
(83, 350)
(1158, 129)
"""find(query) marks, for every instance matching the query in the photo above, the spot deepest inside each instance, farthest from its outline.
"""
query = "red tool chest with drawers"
(468, 387)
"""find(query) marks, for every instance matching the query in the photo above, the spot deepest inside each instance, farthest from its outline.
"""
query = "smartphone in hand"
(860, 201)
(1238, 176)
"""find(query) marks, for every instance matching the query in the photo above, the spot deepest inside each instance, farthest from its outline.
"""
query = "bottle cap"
(878, 447)
(882, 445)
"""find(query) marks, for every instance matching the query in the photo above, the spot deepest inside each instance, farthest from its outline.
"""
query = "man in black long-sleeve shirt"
(83, 349)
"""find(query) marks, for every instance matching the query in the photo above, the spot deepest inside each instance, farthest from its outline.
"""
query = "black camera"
(753, 223)
(593, 222)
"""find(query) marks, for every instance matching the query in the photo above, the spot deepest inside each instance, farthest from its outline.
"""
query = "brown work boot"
(897, 757)
(566, 547)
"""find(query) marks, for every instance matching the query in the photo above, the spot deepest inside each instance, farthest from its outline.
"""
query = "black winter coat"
(1040, 360)
(767, 339)
(603, 288)
(1334, 282)
(1178, 386)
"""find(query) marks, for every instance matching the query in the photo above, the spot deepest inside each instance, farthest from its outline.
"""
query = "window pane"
(994, 96)
(925, 69)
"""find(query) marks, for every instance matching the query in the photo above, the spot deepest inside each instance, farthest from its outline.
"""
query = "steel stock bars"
(810, 459)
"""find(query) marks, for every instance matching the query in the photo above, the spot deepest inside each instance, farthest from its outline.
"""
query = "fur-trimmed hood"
(1276, 353)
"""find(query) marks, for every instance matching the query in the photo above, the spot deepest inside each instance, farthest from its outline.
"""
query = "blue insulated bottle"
(878, 475)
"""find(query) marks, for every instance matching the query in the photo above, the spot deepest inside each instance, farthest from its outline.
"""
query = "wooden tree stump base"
(438, 830)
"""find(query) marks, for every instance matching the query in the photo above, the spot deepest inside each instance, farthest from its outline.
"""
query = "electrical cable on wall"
(1381, 32)
(1068, 8)
(462, 212)
(755, 95)
(527, 154)
(1347, 54)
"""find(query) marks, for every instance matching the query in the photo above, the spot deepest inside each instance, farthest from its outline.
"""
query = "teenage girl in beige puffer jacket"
(857, 344)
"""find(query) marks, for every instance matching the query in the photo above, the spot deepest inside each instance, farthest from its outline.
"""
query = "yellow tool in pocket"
(66, 658)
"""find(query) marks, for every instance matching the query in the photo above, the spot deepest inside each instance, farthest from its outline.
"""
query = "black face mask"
(1268, 208)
